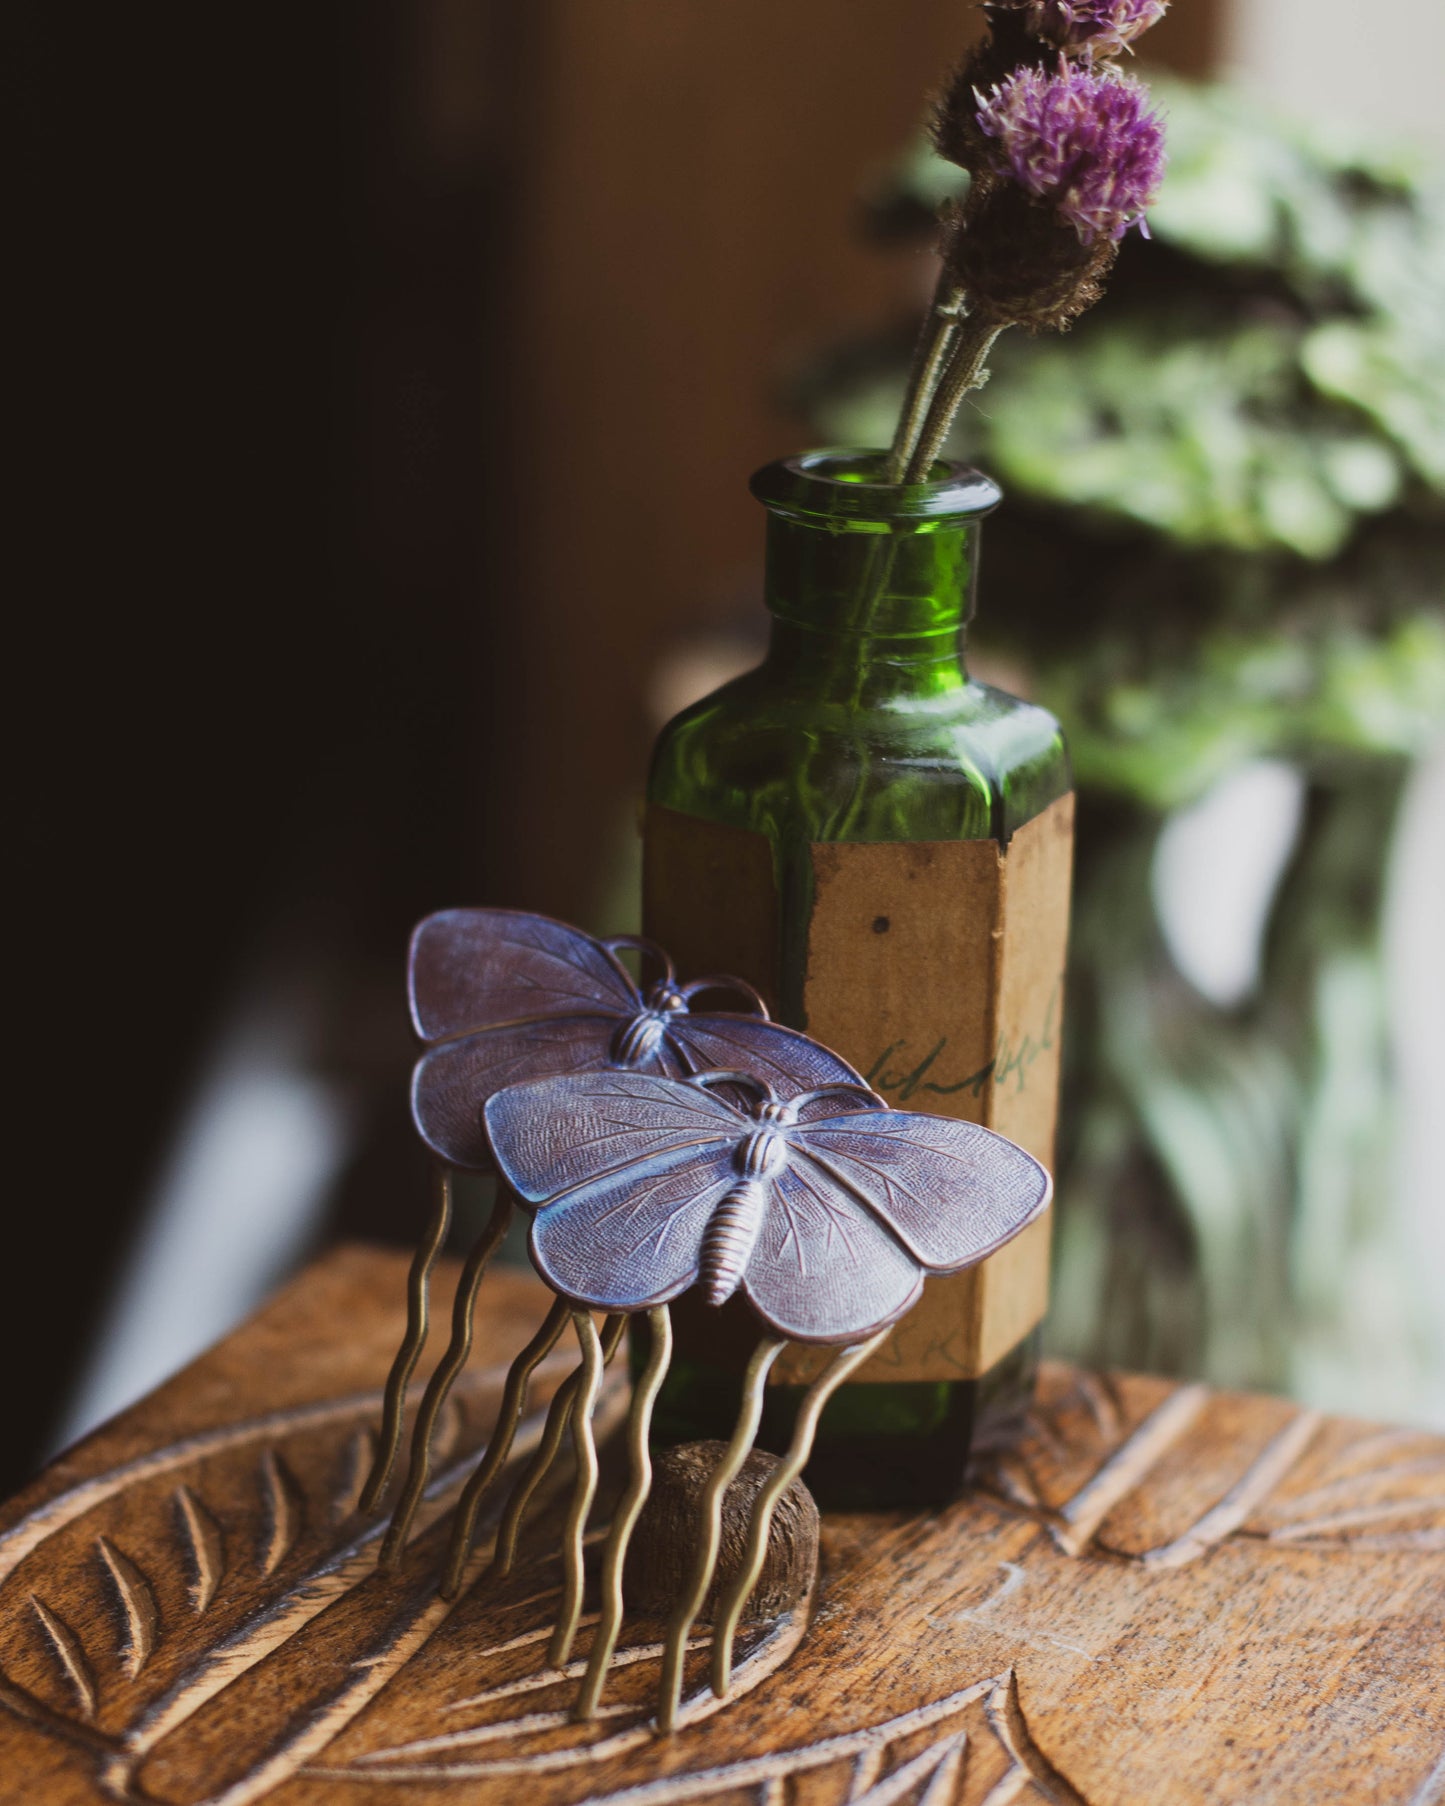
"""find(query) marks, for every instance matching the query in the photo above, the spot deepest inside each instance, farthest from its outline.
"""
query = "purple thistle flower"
(1093, 27)
(1085, 142)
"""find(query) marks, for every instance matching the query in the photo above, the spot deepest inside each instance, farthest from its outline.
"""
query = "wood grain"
(1162, 1593)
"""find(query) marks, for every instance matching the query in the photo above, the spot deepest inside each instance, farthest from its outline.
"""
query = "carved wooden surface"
(1163, 1594)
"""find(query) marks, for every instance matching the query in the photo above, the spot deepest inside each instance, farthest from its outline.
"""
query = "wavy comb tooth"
(499, 1444)
(730, 1607)
(418, 1312)
(629, 1507)
(559, 1415)
(584, 1490)
(444, 1378)
(750, 1414)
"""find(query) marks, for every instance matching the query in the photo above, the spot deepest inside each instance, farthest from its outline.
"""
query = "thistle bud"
(1083, 142)
(1020, 264)
(1065, 156)
(1088, 28)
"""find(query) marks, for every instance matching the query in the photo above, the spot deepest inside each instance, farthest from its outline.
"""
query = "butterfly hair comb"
(823, 1210)
(499, 997)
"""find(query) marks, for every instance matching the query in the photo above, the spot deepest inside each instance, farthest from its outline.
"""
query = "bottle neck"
(870, 616)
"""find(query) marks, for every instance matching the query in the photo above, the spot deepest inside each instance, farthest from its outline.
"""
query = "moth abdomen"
(728, 1240)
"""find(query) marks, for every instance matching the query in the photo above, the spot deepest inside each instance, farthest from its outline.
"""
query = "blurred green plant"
(1223, 540)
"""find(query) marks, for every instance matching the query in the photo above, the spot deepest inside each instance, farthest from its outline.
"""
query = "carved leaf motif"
(202, 1535)
(284, 1511)
(936, 1769)
(179, 1729)
(1383, 1489)
(461, 1737)
(194, 1622)
(1027, 1762)
(980, 1753)
(70, 1656)
(1311, 1482)
(523, 1722)
(137, 1601)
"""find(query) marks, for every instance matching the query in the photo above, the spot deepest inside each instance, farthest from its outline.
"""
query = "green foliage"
(1208, 451)
(1319, 688)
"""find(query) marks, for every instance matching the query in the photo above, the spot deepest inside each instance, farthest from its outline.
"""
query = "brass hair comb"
(819, 1205)
(500, 996)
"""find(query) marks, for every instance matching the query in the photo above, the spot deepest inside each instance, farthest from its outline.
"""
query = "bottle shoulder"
(967, 760)
(753, 702)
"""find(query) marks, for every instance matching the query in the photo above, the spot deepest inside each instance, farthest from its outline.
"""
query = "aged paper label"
(937, 969)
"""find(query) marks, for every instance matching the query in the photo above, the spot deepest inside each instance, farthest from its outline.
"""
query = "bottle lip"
(838, 485)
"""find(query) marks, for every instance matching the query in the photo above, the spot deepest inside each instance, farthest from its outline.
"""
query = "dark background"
(384, 384)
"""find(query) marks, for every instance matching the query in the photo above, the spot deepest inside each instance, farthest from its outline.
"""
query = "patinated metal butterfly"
(825, 1210)
(502, 996)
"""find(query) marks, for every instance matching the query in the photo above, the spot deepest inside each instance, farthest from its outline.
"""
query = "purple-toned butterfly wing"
(510, 997)
(560, 1134)
(790, 1062)
(951, 1191)
(450, 1083)
(625, 1170)
(634, 1238)
(824, 1269)
(507, 997)
(478, 968)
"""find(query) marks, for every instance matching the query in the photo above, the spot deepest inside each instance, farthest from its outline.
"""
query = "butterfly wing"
(824, 1269)
(624, 1171)
(951, 1191)
(471, 969)
(790, 1062)
(450, 1083)
(633, 1239)
(561, 1133)
(510, 997)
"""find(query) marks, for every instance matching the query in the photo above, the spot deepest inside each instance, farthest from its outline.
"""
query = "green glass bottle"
(882, 846)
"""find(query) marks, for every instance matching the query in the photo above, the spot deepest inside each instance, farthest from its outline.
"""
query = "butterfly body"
(729, 1239)
(637, 1043)
(732, 1231)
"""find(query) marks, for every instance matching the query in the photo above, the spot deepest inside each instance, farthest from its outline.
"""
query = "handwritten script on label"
(1012, 1060)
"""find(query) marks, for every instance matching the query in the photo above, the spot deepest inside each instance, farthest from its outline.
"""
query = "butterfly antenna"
(499, 1445)
(639, 1484)
(584, 1490)
(864, 1093)
(723, 981)
(558, 1414)
(442, 1380)
(727, 1075)
(710, 1530)
(730, 1608)
(649, 949)
(418, 1292)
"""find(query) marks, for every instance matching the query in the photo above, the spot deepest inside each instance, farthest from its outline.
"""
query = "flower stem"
(930, 355)
(971, 345)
